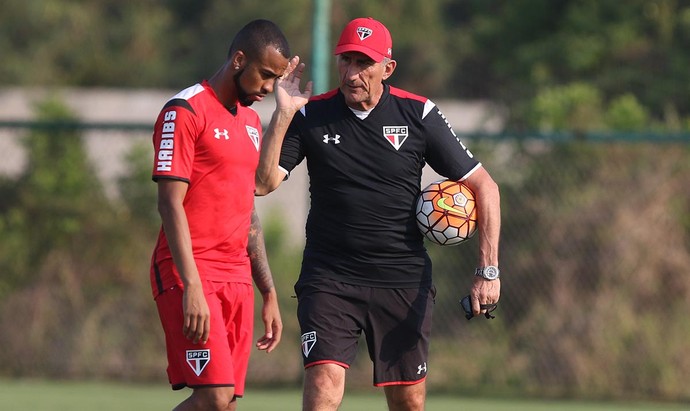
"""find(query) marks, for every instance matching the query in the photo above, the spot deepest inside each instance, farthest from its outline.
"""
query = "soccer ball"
(447, 212)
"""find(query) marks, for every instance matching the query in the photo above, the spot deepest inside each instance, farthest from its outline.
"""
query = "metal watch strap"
(480, 271)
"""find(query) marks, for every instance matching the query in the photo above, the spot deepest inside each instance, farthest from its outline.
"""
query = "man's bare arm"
(289, 99)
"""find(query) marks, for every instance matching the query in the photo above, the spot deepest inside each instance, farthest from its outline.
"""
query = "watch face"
(491, 272)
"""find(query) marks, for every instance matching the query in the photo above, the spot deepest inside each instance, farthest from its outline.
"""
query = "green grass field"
(27, 395)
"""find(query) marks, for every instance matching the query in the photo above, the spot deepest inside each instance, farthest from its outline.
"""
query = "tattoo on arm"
(256, 248)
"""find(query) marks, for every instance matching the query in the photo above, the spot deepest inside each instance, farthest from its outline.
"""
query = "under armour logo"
(421, 367)
(219, 133)
(327, 138)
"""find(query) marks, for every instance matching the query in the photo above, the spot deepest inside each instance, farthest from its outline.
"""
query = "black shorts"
(396, 323)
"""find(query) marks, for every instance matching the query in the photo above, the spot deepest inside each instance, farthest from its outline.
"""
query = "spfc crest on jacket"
(253, 135)
(396, 135)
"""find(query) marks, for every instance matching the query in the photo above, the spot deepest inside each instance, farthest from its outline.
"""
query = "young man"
(210, 247)
(365, 268)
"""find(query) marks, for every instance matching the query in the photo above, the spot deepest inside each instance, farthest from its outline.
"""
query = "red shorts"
(223, 360)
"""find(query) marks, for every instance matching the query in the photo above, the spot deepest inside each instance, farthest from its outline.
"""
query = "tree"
(45, 207)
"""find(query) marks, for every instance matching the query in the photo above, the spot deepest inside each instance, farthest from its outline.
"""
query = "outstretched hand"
(287, 88)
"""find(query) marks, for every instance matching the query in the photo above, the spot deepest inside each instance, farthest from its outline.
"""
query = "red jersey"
(199, 141)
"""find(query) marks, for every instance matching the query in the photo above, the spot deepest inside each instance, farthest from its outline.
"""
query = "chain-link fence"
(594, 261)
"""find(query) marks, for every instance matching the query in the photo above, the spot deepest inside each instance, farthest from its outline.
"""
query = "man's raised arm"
(289, 99)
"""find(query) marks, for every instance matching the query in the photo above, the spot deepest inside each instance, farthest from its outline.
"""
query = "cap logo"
(363, 32)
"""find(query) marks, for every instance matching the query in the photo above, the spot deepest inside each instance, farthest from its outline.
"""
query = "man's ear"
(389, 68)
(238, 60)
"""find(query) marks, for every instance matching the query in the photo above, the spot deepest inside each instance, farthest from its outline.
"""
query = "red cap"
(367, 36)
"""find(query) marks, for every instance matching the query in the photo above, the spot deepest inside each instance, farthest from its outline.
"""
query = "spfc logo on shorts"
(308, 341)
(198, 360)
(253, 135)
(396, 135)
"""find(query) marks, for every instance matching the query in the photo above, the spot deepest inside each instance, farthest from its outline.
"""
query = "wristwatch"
(490, 272)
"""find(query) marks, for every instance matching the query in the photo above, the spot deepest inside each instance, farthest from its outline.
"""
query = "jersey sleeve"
(292, 152)
(445, 153)
(174, 138)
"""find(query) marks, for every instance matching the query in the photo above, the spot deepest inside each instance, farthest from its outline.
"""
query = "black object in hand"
(467, 308)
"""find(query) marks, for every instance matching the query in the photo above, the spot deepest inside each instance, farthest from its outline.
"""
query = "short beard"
(242, 96)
